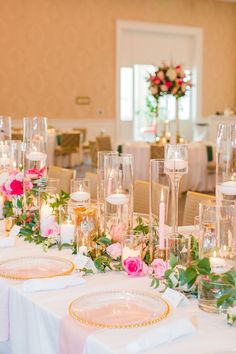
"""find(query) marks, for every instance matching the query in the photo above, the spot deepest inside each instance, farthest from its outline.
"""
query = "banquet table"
(195, 180)
(35, 319)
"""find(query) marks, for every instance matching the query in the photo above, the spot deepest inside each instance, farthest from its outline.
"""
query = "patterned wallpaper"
(55, 50)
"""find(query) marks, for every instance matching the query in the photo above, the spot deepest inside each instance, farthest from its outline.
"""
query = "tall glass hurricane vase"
(100, 186)
(118, 188)
(35, 161)
(5, 128)
(226, 163)
(176, 165)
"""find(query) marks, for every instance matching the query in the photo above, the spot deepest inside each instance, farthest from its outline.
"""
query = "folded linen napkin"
(56, 283)
(161, 335)
(4, 314)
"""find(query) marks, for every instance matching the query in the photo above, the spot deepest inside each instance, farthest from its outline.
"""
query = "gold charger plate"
(24, 268)
(119, 309)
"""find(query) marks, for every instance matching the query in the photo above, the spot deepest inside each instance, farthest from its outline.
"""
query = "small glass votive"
(132, 246)
(86, 227)
(80, 191)
(67, 224)
(180, 247)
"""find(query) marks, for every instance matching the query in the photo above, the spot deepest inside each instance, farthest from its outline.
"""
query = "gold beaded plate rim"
(70, 269)
(84, 321)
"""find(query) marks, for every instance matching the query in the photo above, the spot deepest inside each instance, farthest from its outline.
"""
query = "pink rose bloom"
(28, 185)
(154, 90)
(16, 187)
(174, 90)
(114, 250)
(133, 266)
(34, 173)
(178, 68)
(53, 230)
(156, 81)
(168, 84)
(159, 266)
(116, 232)
(160, 75)
(164, 88)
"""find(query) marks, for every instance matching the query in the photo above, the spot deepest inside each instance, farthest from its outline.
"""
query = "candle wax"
(228, 188)
(67, 233)
(36, 156)
(80, 196)
(117, 199)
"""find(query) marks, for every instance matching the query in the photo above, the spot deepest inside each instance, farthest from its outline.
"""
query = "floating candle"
(228, 188)
(176, 164)
(117, 199)
(218, 265)
(129, 252)
(36, 156)
(80, 196)
(67, 233)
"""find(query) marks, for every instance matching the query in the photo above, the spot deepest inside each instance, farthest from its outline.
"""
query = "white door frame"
(195, 32)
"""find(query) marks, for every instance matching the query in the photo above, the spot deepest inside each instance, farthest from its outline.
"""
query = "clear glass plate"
(35, 267)
(119, 309)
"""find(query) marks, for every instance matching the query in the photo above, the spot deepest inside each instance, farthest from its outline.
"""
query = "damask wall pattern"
(55, 50)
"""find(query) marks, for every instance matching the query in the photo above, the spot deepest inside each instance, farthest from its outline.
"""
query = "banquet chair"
(211, 165)
(17, 136)
(157, 151)
(191, 208)
(64, 175)
(103, 143)
(141, 197)
(93, 179)
(83, 132)
(70, 146)
(93, 153)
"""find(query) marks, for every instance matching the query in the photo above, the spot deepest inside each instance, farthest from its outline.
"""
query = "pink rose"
(114, 250)
(133, 265)
(16, 187)
(117, 232)
(154, 90)
(53, 230)
(156, 81)
(34, 173)
(164, 88)
(160, 75)
(168, 84)
(159, 266)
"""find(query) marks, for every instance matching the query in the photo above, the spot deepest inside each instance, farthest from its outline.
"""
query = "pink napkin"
(73, 336)
(4, 313)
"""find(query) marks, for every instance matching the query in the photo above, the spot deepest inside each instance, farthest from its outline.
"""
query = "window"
(126, 94)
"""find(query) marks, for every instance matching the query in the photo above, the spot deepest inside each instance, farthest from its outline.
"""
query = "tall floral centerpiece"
(169, 80)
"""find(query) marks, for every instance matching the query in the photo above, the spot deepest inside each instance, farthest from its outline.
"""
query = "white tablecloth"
(35, 317)
(195, 180)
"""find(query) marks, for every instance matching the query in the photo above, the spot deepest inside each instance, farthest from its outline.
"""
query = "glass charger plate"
(119, 309)
(24, 268)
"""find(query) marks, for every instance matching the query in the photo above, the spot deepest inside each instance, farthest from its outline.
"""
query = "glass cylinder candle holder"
(80, 191)
(67, 224)
(5, 156)
(176, 165)
(17, 154)
(159, 202)
(226, 162)
(118, 194)
(48, 217)
(100, 186)
(86, 227)
(132, 246)
(217, 241)
(5, 128)
(35, 139)
(180, 247)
